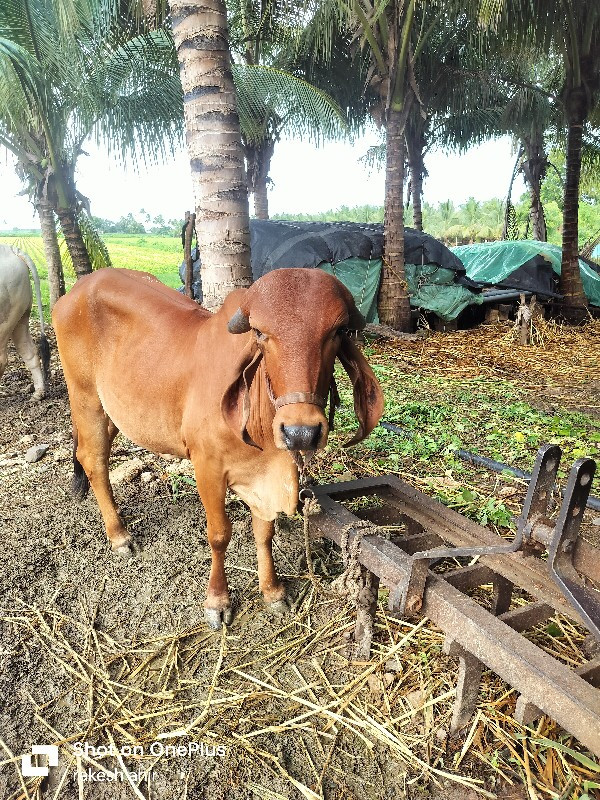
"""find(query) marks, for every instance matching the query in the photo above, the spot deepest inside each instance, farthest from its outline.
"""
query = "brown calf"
(233, 391)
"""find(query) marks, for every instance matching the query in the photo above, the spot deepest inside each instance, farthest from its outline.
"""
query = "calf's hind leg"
(93, 434)
(21, 336)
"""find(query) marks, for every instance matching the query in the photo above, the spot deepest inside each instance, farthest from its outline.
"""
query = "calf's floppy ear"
(368, 397)
(235, 404)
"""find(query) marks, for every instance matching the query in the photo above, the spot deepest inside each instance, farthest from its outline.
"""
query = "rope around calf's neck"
(310, 506)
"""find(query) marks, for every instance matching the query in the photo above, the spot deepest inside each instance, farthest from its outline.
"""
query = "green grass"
(160, 255)
(491, 417)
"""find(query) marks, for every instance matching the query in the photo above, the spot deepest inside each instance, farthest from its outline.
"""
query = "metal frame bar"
(436, 519)
(546, 684)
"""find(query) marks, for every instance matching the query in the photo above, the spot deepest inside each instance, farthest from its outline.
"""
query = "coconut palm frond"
(257, 29)
(374, 158)
(94, 244)
(140, 58)
(52, 36)
(269, 97)
(462, 131)
(590, 159)
(17, 62)
(145, 125)
(28, 24)
(139, 114)
(15, 100)
(65, 257)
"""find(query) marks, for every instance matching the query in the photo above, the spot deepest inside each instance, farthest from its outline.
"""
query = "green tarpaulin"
(361, 277)
(430, 287)
(493, 262)
(433, 288)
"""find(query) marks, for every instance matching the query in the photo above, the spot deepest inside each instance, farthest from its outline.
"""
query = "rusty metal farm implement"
(432, 534)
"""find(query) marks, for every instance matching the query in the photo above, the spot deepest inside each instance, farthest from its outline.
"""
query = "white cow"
(15, 306)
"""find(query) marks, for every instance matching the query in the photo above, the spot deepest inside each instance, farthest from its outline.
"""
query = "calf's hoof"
(124, 550)
(215, 617)
(279, 607)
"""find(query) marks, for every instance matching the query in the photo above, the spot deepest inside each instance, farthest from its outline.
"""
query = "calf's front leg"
(217, 606)
(270, 585)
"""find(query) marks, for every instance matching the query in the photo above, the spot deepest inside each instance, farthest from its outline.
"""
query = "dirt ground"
(99, 650)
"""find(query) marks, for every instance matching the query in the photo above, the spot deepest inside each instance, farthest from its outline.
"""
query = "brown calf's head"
(298, 319)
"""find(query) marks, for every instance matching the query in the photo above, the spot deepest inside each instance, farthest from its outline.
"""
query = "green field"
(160, 255)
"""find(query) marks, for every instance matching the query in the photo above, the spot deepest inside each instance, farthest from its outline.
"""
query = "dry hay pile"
(291, 705)
(561, 357)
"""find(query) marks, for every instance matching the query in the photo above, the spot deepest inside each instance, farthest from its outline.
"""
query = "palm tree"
(532, 115)
(448, 213)
(471, 213)
(68, 71)
(415, 135)
(391, 36)
(433, 86)
(30, 112)
(275, 94)
(214, 145)
(571, 30)
(446, 70)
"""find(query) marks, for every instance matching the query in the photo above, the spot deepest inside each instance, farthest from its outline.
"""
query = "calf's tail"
(43, 345)
(44, 349)
(80, 485)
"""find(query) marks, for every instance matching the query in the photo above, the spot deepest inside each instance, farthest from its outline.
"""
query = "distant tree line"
(429, 74)
(157, 226)
(474, 221)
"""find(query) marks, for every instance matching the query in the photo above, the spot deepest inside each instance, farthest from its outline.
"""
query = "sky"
(306, 179)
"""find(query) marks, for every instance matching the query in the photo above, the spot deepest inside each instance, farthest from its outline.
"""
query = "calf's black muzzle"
(301, 437)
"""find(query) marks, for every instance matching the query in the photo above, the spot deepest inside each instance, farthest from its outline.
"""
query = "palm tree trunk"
(534, 170)
(540, 231)
(261, 199)
(258, 160)
(415, 163)
(575, 300)
(508, 208)
(74, 241)
(214, 146)
(56, 278)
(393, 304)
